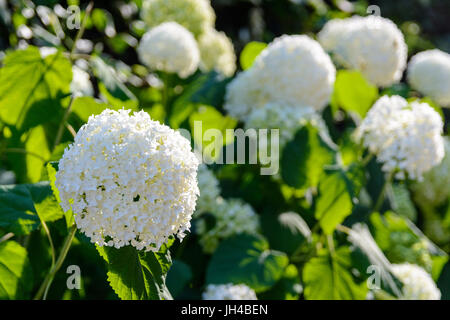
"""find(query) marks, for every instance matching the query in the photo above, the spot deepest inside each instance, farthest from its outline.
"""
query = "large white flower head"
(81, 85)
(417, 283)
(229, 291)
(434, 190)
(129, 180)
(195, 15)
(171, 48)
(232, 217)
(209, 190)
(406, 137)
(217, 52)
(429, 73)
(373, 45)
(292, 70)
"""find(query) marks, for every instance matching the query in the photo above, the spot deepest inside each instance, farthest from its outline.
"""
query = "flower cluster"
(229, 292)
(291, 71)
(373, 45)
(209, 190)
(129, 180)
(434, 189)
(194, 15)
(429, 73)
(197, 16)
(417, 283)
(217, 52)
(81, 85)
(232, 217)
(407, 138)
(171, 48)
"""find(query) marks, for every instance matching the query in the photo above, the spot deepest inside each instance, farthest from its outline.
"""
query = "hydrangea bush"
(103, 163)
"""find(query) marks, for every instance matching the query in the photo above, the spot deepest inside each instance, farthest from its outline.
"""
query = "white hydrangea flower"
(434, 190)
(429, 73)
(171, 48)
(229, 291)
(232, 217)
(407, 138)
(81, 85)
(217, 52)
(373, 45)
(292, 70)
(209, 190)
(417, 283)
(129, 180)
(195, 15)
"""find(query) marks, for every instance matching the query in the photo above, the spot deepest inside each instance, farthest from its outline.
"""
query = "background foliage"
(284, 262)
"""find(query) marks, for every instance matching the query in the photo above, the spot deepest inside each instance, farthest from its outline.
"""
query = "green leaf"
(17, 213)
(209, 118)
(16, 275)
(328, 277)
(27, 79)
(21, 206)
(284, 231)
(178, 277)
(250, 52)
(212, 90)
(334, 202)
(287, 288)
(137, 275)
(246, 259)
(84, 107)
(52, 167)
(400, 199)
(352, 92)
(304, 157)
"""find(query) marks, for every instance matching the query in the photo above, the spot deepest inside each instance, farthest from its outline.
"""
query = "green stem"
(367, 159)
(45, 286)
(380, 199)
(60, 131)
(23, 151)
(166, 96)
(47, 231)
(82, 28)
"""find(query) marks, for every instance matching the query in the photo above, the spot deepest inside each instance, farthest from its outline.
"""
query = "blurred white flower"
(434, 190)
(24, 31)
(373, 45)
(292, 70)
(229, 292)
(407, 138)
(217, 52)
(129, 180)
(80, 85)
(417, 283)
(232, 217)
(47, 51)
(195, 15)
(171, 48)
(209, 190)
(429, 73)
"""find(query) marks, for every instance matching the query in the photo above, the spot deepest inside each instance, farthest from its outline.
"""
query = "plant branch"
(23, 151)
(380, 199)
(82, 28)
(63, 122)
(45, 286)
